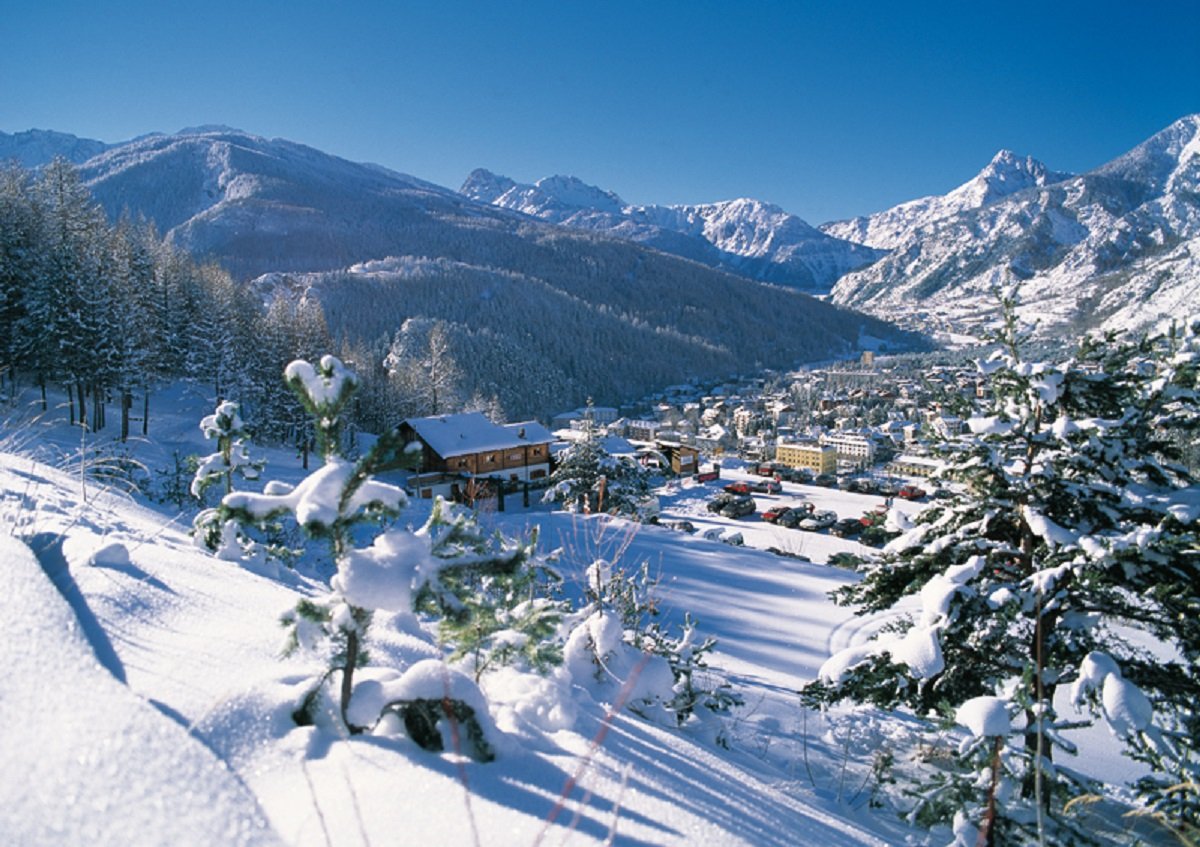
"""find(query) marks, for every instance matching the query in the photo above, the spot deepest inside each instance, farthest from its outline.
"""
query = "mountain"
(541, 315)
(38, 146)
(1006, 174)
(1114, 247)
(746, 237)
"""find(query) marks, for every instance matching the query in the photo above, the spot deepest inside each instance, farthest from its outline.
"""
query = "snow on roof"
(472, 432)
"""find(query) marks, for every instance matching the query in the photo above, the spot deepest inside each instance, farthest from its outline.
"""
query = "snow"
(316, 500)
(86, 760)
(324, 384)
(164, 674)
(1126, 708)
(196, 642)
(384, 575)
(984, 716)
(1048, 530)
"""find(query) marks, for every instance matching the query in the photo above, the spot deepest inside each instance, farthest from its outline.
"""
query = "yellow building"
(818, 458)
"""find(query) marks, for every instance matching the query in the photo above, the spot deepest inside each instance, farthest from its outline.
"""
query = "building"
(642, 430)
(818, 458)
(912, 465)
(745, 420)
(684, 459)
(457, 448)
(853, 449)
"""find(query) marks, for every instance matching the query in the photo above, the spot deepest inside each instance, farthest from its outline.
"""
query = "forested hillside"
(112, 310)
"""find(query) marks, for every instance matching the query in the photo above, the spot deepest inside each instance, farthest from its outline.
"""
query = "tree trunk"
(82, 402)
(146, 412)
(348, 675)
(126, 401)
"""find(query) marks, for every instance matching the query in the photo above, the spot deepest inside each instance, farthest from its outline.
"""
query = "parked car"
(681, 526)
(825, 479)
(773, 514)
(719, 502)
(766, 486)
(737, 488)
(911, 492)
(739, 507)
(725, 536)
(847, 528)
(795, 474)
(765, 470)
(790, 518)
(819, 520)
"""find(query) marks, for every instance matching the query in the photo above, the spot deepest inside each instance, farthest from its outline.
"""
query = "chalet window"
(490, 458)
(537, 475)
(536, 451)
(515, 457)
(462, 463)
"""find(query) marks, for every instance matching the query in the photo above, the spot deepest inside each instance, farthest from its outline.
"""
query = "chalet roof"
(472, 432)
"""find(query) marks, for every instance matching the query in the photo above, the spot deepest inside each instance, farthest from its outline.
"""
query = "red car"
(772, 514)
(737, 488)
(910, 492)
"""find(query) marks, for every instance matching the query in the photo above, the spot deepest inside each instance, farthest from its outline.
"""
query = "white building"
(852, 448)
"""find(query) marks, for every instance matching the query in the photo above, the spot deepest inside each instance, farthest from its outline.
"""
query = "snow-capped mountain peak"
(485, 186)
(1006, 174)
(1118, 246)
(572, 192)
(745, 236)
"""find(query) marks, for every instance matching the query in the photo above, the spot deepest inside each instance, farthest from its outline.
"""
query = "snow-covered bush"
(616, 640)
(1076, 525)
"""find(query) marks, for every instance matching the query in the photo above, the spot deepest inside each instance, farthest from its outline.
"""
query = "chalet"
(458, 448)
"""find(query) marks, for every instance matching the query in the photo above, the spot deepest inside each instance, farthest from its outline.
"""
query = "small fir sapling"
(225, 426)
(388, 575)
(501, 618)
(231, 459)
(1075, 520)
(616, 637)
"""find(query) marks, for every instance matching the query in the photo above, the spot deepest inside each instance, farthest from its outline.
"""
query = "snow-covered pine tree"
(1068, 560)
(587, 477)
(617, 640)
(508, 616)
(232, 458)
(389, 575)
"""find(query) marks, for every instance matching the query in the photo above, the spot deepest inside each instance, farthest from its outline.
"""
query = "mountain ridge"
(748, 237)
(1114, 247)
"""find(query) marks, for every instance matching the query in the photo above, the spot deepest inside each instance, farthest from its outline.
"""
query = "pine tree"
(1075, 524)
(588, 478)
(398, 567)
(232, 458)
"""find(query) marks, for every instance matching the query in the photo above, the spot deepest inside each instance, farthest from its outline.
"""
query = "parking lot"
(686, 500)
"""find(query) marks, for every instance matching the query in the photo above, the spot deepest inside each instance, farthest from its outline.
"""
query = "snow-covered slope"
(1007, 173)
(747, 237)
(151, 706)
(1112, 247)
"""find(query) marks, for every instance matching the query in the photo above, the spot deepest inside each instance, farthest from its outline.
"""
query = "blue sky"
(828, 109)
